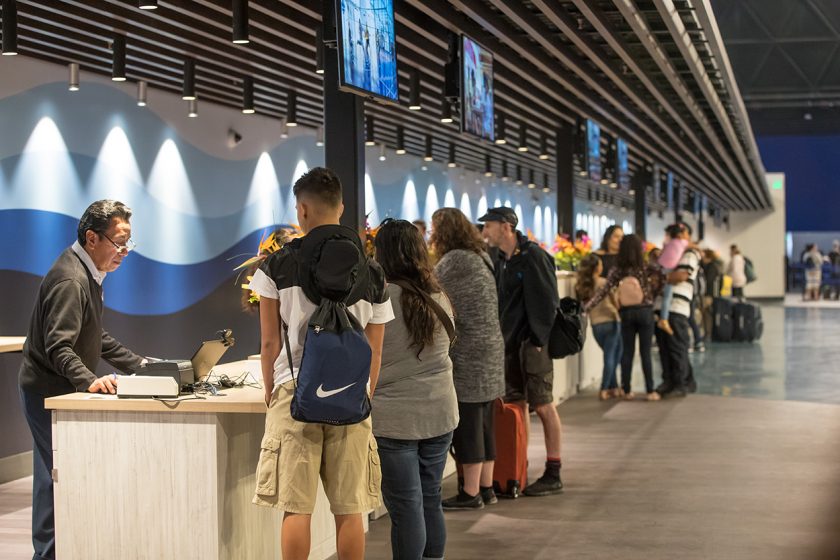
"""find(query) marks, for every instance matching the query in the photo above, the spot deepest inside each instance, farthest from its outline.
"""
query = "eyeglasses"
(121, 249)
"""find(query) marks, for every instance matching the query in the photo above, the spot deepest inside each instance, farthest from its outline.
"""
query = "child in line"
(672, 252)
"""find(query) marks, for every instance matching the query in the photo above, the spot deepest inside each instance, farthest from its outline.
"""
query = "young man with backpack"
(528, 302)
(322, 291)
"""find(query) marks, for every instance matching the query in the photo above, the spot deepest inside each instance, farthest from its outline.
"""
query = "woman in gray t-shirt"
(414, 408)
(466, 274)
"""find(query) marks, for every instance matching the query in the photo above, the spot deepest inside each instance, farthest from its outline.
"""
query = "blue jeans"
(43, 524)
(411, 474)
(608, 337)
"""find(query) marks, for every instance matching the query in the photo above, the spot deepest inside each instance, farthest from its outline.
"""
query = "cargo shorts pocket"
(267, 469)
(374, 468)
(534, 360)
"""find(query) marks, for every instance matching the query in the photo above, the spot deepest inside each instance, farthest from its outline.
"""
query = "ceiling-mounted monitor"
(367, 48)
(622, 165)
(477, 90)
(593, 150)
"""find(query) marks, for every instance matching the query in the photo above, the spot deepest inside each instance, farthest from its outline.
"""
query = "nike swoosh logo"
(322, 394)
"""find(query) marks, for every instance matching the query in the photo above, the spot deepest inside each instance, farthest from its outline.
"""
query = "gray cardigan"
(478, 354)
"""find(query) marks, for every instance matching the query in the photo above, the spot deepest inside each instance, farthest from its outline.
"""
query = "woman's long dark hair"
(605, 241)
(631, 254)
(403, 254)
(585, 286)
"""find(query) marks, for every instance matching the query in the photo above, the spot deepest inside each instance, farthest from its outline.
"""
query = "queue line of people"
(427, 393)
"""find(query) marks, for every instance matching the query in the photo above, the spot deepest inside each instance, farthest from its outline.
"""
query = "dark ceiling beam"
(753, 166)
(652, 141)
(615, 41)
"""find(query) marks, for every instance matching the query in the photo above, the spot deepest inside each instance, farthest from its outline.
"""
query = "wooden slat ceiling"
(555, 62)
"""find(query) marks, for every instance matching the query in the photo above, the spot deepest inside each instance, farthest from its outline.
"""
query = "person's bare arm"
(375, 335)
(270, 342)
(678, 276)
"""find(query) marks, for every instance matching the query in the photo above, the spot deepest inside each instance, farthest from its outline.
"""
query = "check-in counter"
(16, 443)
(143, 478)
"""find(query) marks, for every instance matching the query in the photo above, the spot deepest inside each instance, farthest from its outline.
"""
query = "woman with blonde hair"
(466, 274)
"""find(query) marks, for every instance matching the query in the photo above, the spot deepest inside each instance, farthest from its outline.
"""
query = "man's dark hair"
(581, 233)
(630, 253)
(98, 216)
(321, 184)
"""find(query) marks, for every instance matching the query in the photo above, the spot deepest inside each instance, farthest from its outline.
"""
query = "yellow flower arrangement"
(568, 254)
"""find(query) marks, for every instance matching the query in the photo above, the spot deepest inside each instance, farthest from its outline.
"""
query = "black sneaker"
(544, 486)
(675, 393)
(464, 501)
(691, 386)
(488, 496)
(663, 388)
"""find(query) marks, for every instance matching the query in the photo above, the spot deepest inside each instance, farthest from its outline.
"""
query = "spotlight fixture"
(488, 168)
(414, 90)
(532, 184)
(505, 175)
(193, 108)
(518, 174)
(248, 95)
(400, 140)
(188, 93)
(284, 129)
(543, 147)
(319, 136)
(451, 162)
(147, 4)
(523, 138)
(604, 181)
(546, 189)
(446, 112)
(500, 128)
(73, 84)
(319, 50)
(118, 62)
(142, 86)
(382, 156)
(428, 156)
(240, 22)
(369, 140)
(545, 183)
(10, 47)
(291, 108)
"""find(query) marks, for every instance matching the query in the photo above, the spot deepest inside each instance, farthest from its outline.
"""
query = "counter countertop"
(249, 400)
(11, 343)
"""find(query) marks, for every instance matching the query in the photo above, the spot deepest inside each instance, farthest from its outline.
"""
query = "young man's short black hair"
(321, 184)
(98, 216)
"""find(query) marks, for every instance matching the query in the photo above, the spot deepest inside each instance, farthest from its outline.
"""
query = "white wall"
(761, 237)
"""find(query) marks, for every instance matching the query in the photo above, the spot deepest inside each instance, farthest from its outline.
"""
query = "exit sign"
(777, 185)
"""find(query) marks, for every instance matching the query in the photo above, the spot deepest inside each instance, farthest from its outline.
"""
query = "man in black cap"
(528, 301)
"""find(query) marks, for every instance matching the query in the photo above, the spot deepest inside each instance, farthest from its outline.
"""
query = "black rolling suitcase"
(722, 325)
(748, 322)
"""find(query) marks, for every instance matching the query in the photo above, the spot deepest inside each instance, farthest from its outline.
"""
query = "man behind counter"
(65, 342)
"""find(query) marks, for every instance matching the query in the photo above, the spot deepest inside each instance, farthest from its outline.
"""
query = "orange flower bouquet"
(568, 253)
(269, 244)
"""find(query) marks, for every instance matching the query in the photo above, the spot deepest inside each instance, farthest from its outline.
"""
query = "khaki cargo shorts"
(294, 455)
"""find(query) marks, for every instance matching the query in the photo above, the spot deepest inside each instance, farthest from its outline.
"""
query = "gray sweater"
(65, 339)
(478, 354)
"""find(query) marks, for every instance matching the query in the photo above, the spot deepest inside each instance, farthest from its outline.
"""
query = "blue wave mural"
(30, 240)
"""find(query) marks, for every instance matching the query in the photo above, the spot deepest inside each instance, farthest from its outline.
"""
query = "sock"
(485, 488)
(552, 466)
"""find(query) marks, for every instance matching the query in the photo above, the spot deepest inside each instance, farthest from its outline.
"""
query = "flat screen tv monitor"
(593, 150)
(367, 48)
(669, 190)
(623, 169)
(477, 90)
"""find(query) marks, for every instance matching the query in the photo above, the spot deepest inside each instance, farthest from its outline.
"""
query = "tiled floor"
(700, 478)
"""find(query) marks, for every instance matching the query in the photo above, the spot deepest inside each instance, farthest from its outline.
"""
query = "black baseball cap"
(500, 214)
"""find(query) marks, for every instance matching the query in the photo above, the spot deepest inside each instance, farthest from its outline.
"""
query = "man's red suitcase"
(510, 473)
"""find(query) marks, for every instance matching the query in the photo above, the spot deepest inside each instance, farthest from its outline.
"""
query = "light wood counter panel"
(11, 343)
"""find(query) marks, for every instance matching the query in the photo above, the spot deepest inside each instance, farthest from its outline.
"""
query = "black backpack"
(331, 384)
(569, 331)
